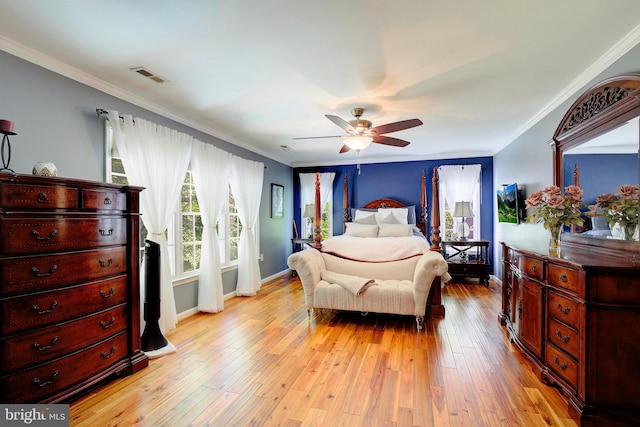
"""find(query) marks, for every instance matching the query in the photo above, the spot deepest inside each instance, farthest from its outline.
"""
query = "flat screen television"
(509, 204)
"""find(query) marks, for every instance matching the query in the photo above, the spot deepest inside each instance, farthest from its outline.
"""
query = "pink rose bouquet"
(621, 208)
(555, 209)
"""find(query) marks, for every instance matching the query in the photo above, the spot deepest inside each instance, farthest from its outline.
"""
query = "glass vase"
(629, 231)
(554, 241)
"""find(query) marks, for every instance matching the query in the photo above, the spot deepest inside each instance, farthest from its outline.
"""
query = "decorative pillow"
(354, 211)
(395, 230)
(365, 217)
(411, 214)
(361, 230)
(392, 216)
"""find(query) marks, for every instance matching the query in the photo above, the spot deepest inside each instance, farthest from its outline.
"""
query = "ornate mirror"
(596, 146)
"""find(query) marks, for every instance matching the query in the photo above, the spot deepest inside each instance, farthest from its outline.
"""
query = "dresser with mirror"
(574, 315)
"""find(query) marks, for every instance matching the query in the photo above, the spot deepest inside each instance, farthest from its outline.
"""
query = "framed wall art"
(277, 201)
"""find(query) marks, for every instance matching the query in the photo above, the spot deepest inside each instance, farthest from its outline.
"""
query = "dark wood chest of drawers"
(69, 290)
(576, 318)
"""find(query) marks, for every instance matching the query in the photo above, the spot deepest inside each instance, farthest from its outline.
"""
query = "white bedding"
(375, 249)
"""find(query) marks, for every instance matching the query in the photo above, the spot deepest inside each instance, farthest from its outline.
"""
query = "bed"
(396, 239)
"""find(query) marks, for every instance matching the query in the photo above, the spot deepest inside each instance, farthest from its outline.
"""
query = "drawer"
(44, 272)
(47, 379)
(104, 200)
(562, 277)
(30, 235)
(45, 308)
(564, 337)
(563, 365)
(46, 344)
(565, 310)
(532, 267)
(468, 268)
(21, 196)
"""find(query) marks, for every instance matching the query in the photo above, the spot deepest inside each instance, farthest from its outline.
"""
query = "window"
(184, 235)
(459, 183)
(191, 227)
(228, 229)
(307, 198)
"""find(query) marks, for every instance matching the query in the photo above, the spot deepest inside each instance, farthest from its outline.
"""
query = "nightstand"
(467, 258)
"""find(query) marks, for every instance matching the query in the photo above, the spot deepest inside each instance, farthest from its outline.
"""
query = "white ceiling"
(259, 73)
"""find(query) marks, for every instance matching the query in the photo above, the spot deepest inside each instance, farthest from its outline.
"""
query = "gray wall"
(528, 160)
(55, 120)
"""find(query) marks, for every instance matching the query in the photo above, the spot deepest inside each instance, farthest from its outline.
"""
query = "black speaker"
(152, 338)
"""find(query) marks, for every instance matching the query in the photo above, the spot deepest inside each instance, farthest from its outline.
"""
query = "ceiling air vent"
(148, 74)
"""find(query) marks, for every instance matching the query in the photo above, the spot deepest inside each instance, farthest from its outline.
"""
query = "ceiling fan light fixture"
(358, 142)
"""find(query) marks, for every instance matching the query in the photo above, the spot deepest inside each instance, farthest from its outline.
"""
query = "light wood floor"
(261, 362)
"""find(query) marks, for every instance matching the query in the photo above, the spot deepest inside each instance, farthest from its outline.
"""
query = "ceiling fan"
(361, 134)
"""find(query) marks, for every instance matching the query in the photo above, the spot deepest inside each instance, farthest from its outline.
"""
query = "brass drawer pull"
(106, 264)
(106, 325)
(36, 308)
(563, 310)
(106, 233)
(49, 237)
(42, 198)
(106, 355)
(562, 366)
(107, 201)
(36, 271)
(37, 381)
(104, 294)
(39, 347)
(534, 268)
(563, 278)
(563, 339)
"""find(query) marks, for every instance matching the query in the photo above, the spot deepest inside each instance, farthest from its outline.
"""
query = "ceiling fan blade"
(319, 137)
(342, 123)
(344, 149)
(396, 126)
(387, 140)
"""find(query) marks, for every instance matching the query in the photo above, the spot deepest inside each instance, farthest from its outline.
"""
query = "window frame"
(448, 223)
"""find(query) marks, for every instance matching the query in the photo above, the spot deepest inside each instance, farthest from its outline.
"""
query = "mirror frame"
(603, 107)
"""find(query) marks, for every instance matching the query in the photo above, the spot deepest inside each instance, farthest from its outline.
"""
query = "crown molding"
(616, 52)
(59, 67)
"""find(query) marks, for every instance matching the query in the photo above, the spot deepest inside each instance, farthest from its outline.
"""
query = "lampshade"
(309, 211)
(358, 142)
(463, 209)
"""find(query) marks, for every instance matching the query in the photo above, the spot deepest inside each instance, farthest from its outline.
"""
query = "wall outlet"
(261, 257)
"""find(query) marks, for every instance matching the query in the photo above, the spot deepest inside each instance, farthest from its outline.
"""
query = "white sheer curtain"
(308, 191)
(211, 169)
(155, 157)
(460, 183)
(246, 183)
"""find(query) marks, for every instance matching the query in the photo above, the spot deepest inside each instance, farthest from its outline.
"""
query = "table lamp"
(463, 210)
(309, 213)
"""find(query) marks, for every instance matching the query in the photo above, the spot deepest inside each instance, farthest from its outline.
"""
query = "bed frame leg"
(309, 312)
(419, 320)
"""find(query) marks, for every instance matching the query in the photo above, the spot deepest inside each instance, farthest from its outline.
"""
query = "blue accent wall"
(600, 173)
(399, 181)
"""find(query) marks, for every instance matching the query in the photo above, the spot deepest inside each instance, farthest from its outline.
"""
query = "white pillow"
(365, 217)
(361, 230)
(394, 230)
(392, 216)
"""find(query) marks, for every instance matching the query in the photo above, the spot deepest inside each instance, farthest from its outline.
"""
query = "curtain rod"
(102, 111)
